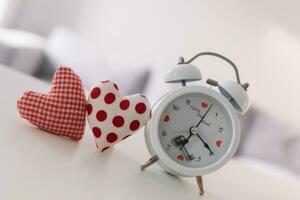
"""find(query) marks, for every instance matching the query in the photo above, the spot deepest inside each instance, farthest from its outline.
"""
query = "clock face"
(195, 130)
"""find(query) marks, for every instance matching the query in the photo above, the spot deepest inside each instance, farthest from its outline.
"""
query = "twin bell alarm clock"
(195, 130)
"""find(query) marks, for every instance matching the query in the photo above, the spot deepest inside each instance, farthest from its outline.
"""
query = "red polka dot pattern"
(124, 104)
(89, 108)
(140, 108)
(114, 117)
(109, 98)
(106, 81)
(134, 125)
(97, 132)
(118, 121)
(101, 115)
(95, 93)
(111, 137)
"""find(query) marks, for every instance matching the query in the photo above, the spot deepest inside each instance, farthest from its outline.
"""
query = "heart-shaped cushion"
(114, 117)
(61, 111)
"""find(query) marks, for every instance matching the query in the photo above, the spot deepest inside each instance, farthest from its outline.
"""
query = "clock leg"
(151, 161)
(200, 184)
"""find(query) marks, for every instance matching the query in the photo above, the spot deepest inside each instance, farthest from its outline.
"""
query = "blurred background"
(135, 42)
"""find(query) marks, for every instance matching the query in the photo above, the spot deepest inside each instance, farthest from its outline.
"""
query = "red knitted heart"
(61, 111)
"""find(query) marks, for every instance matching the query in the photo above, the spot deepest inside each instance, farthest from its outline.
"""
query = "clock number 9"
(188, 102)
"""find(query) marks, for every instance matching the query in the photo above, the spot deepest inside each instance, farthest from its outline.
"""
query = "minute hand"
(204, 116)
(206, 145)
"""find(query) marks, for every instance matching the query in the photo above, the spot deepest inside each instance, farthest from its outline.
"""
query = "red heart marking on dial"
(167, 118)
(204, 105)
(219, 143)
(180, 157)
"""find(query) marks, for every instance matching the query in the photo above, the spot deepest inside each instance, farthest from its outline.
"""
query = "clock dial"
(195, 130)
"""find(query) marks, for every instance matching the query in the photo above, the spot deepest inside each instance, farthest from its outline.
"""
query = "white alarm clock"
(195, 130)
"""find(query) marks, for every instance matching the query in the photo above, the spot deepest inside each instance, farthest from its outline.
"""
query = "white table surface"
(38, 165)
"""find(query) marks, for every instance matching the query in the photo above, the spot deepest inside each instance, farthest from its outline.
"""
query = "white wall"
(262, 37)
(41, 16)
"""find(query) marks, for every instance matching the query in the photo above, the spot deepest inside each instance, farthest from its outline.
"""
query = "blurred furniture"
(35, 55)
(67, 47)
(38, 165)
(269, 140)
(21, 50)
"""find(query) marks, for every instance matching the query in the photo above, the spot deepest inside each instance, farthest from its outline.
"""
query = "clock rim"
(154, 145)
